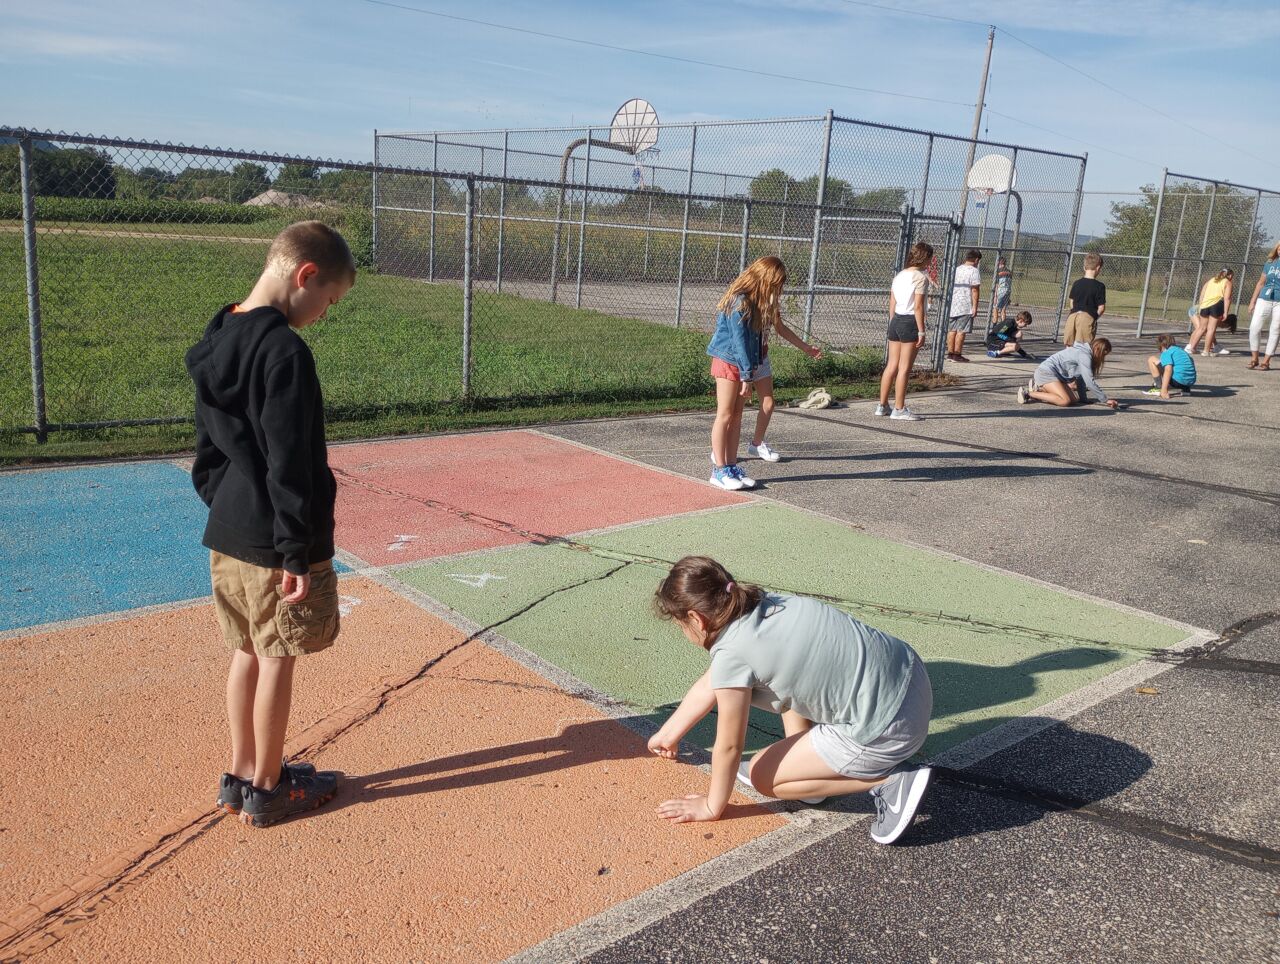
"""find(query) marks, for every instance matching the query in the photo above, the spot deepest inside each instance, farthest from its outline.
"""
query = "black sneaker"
(293, 795)
(231, 788)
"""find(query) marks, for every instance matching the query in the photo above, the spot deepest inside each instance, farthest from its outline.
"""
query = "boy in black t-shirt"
(1088, 301)
(262, 469)
(1005, 338)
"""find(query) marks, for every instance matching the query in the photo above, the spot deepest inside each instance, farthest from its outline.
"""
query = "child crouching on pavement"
(855, 702)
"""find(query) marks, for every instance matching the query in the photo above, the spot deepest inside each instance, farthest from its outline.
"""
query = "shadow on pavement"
(967, 803)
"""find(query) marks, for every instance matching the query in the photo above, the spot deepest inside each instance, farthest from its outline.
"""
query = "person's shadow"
(575, 745)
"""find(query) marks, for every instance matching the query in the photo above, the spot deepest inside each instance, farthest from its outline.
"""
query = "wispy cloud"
(69, 45)
(505, 66)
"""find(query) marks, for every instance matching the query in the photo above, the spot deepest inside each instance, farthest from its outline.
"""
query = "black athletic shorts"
(903, 328)
(1213, 311)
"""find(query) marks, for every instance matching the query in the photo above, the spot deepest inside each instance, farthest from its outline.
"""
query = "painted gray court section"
(1167, 507)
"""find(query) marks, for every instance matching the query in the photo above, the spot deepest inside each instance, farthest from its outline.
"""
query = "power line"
(1073, 139)
(650, 53)
(1129, 97)
(1062, 63)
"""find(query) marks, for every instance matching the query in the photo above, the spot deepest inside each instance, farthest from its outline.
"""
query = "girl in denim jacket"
(739, 353)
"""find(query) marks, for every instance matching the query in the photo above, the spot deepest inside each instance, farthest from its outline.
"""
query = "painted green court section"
(997, 647)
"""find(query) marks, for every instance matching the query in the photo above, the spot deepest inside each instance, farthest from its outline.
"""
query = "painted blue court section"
(87, 541)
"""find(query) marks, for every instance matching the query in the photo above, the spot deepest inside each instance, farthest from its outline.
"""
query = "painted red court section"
(400, 501)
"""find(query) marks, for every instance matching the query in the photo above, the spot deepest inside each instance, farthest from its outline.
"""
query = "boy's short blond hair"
(314, 242)
(1092, 261)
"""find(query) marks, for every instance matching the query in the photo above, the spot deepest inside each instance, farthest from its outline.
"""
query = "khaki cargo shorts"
(1081, 326)
(251, 610)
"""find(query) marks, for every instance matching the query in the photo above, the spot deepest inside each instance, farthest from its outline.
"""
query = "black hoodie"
(261, 465)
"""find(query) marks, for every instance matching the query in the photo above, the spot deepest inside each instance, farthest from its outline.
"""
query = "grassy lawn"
(120, 313)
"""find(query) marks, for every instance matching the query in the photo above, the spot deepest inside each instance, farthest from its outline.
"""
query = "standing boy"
(1002, 293)
(262, 469)
(1088, 301)
(964, 304)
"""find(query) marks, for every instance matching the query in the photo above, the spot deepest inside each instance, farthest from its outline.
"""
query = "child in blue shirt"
(1173, 369)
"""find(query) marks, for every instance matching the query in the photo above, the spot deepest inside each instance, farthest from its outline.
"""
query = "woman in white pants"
(1264, 305)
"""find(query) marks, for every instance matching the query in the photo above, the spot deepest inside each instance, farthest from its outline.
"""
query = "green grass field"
(120, 313)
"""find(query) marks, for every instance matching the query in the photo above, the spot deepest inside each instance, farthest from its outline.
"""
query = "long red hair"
(760, 286)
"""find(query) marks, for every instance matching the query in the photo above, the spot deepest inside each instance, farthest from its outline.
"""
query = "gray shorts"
(900, 740)
(961, 323)
(763, 370)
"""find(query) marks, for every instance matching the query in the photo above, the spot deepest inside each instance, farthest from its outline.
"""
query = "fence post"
(724, 193)
(431, 231)
(1204, 243)
(1151, 251)
(946, 279)
(582, 220)
(468, 257)
(373, 232)
(817, 222)
(924, 187)
(1071, 247)
(1248, 245)
(684, 227)
(502, 208)
(27, 175)
(746, 235)
(1173, 259)
(1004, 218)
(648, 226)
(782, 222)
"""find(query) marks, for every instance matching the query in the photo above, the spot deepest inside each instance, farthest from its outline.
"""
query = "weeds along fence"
(835, 198)
(114, 253)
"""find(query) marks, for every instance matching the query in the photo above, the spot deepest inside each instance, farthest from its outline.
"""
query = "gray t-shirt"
(800, 654)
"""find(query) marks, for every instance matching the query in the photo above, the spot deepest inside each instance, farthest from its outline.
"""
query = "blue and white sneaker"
(724, 477)
(747, 481)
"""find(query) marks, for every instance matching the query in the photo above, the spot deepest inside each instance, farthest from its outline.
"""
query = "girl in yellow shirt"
(1214, 298)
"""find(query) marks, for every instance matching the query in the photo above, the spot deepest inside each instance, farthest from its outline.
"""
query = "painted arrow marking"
(400, 543)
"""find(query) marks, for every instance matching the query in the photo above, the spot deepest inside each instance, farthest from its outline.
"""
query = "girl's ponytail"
(700, 584)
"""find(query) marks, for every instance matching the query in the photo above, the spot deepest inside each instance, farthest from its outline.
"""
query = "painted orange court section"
(483, 810)
(399, 501)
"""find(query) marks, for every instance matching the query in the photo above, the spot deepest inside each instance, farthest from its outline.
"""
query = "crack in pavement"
(43, 921)
(1200, 842)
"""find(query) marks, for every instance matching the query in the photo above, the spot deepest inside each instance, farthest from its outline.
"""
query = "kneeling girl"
(855, 702)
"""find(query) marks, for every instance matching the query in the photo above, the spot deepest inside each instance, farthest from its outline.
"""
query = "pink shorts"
(722, 369)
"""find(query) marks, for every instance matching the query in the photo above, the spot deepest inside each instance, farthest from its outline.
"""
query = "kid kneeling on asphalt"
(1005, 339)
(854, 701)
(1173, 369)
(262, 468)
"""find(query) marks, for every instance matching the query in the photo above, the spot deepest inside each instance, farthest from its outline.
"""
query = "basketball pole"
(982, 96)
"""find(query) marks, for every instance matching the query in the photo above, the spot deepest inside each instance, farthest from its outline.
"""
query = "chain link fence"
(502, 276)
(1201, 226)
(758, 182)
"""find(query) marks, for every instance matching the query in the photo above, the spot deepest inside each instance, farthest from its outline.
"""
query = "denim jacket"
(735, 341)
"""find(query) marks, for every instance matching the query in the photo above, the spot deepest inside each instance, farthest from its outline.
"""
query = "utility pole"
(982, 96)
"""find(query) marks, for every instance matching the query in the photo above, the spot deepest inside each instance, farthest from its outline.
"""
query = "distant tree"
(1130, 224)
(346, 187)
(70, 172)
(144, 184)
(247, 180)
(298, 179)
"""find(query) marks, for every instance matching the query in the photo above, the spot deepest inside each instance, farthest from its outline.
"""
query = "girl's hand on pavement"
(686, 809)
(664, 746)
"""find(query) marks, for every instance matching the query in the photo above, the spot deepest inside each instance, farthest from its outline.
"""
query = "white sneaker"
(747, 481)
(905, 415)
(744, 777)
(1223, 351)
(1023, 397)
(881, 410)
(723, 477)
(1204, 354)
(763, 451)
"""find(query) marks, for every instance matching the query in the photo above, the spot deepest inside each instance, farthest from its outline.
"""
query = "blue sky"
(318, 77)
